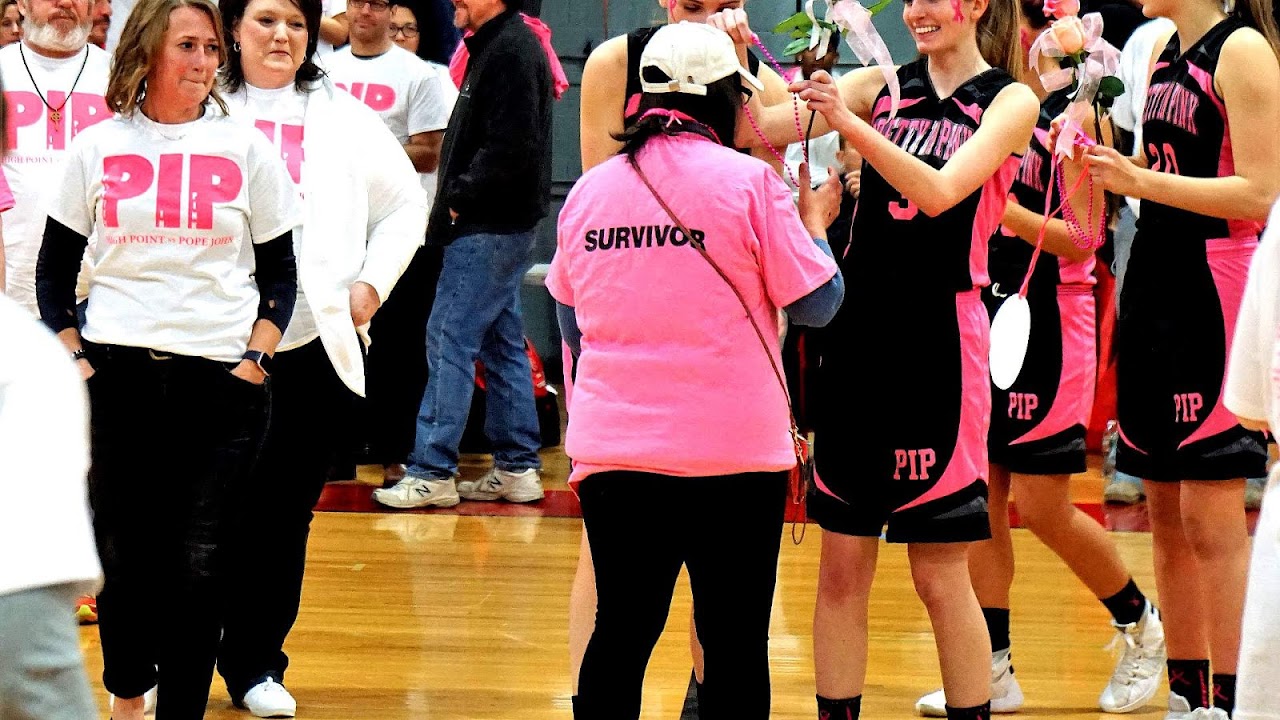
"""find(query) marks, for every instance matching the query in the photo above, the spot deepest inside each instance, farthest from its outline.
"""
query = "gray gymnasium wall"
(578, 26)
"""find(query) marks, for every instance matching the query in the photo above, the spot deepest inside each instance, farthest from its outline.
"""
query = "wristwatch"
(78, 355)
(259, 358)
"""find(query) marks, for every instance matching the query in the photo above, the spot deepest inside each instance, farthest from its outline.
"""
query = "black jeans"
(397, 362)
(730, 545)
(170, 435)
(266, 548)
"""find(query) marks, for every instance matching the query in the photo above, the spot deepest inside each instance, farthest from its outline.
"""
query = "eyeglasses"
(410, 31)
(375, 5)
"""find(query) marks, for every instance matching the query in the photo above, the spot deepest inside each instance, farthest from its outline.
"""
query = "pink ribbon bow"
(1101, 59)
(458, 63)
(860, 34)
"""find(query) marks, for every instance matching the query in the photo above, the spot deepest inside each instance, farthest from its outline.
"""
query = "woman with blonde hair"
(193, 284)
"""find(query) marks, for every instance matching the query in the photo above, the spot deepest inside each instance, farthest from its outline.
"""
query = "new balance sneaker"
(269, 699)
(1142, 658)
(416, 492)
(87, 609)
(517, 487)
(1006, 695)
(1124, 489)
(148, 702)
(1179, 708)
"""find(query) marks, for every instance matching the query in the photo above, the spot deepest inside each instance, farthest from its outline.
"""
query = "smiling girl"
(934, 183)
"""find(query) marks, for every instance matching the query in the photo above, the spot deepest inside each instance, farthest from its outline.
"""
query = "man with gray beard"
(54, 83)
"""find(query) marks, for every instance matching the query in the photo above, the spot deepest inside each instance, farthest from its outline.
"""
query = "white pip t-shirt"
(38, 145)
(409, 94)
(175, 208)
(279, 115)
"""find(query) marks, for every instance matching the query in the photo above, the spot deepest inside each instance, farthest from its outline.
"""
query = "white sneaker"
(1006, 695)
(269, 699)
(148, 702)
(1212, 713)
(517, 487)
(1137, 675)
(416, 492)
(1179, 708)
(1123, 489)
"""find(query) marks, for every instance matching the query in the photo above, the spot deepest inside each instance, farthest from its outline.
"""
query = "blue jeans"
(477, 316)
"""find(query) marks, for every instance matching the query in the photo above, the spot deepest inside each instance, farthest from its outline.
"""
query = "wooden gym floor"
(462, 614)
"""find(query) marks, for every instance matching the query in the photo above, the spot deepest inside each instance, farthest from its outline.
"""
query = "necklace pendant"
(56, 117)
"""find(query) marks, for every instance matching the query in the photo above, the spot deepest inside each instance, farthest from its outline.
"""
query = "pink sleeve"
(557, 281)
(458, 63)
(793, 264)
(6, 195)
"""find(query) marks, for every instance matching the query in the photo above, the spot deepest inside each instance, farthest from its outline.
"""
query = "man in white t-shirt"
(47, 551)
(54, 83)
(1252, 392)
(404, 90)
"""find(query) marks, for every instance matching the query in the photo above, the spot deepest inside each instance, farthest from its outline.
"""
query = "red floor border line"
(357, 498)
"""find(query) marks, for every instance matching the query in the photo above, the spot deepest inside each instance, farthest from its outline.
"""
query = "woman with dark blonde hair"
(193, 284)
(937, 169)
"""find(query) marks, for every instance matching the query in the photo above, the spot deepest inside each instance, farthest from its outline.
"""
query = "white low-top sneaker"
(416, 492)
(270, 699)
(517, 487)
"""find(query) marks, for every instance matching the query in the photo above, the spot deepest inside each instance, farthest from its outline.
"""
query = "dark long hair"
(715, 113)
(233, 74)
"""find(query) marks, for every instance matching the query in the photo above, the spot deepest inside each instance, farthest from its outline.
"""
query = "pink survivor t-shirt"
(672, 378)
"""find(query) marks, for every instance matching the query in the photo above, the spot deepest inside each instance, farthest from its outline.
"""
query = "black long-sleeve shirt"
(495, 164)
(58, 265)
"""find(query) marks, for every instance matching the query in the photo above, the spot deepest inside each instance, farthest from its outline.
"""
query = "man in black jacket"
(494, 186)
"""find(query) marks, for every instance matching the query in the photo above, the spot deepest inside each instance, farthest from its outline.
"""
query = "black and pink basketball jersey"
(1009, 256)
(895, 245)
(1185, 132)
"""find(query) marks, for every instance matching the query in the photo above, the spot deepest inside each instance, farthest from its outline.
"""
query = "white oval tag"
(1010, 333)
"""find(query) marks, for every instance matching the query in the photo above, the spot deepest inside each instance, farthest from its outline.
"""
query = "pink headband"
(676, 117)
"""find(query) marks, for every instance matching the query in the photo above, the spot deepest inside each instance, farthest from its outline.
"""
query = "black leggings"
(729, 541)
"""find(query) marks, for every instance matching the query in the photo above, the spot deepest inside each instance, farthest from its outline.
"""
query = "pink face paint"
(1025, 37)
(955, 6)
(671, 11)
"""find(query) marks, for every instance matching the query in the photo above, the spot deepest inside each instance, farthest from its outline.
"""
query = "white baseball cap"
(693, 55)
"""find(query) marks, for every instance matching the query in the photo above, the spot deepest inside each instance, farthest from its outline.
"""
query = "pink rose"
(1069, 32)
(1062, 8)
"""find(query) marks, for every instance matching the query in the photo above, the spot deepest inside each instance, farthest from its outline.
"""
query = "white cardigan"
(365, 215)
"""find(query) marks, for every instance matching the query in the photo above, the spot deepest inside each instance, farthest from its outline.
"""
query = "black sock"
(977, 712)
(1224, 692)
(1127, 605)
(846, 709)
(1190, 679)
(997, 627)
(690, 709)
